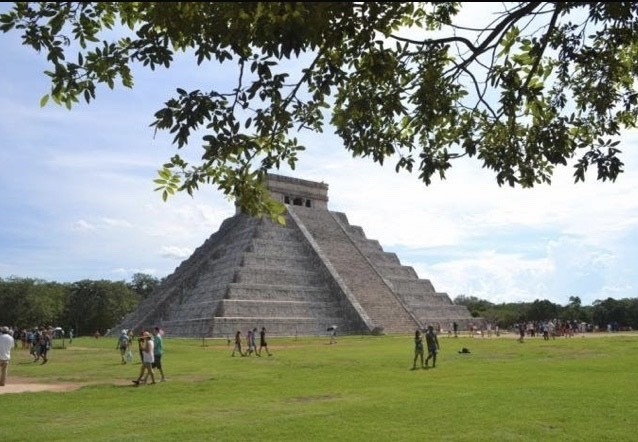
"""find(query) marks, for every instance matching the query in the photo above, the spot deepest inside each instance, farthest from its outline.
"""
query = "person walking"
(6, 344)
(158, 351)
(249, 343)
(123, 345)
(262, 341)
(44, 345)
(418, 349)
(432, 342)
(129, 351)
(253, 341)
(147, 347)
(237, 346)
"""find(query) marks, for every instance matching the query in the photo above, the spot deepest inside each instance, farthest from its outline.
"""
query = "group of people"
(432, 343)
(151, 349)
(37, 340)
(251, 337)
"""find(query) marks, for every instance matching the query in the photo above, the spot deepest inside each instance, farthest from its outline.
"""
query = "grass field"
(360, 389)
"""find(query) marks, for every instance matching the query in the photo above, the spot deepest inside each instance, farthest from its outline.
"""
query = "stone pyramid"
(315, 272)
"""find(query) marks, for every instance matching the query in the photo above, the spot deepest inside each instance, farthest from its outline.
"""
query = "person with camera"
(146, 346)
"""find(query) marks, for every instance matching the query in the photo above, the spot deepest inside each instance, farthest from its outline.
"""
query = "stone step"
(280, 292)
(268, 308)
(287, 276)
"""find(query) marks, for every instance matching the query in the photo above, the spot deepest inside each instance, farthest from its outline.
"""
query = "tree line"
(84, 306)
(88, 305)
(622, 313)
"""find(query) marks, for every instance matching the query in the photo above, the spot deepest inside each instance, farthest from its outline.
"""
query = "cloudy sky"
(77, 201)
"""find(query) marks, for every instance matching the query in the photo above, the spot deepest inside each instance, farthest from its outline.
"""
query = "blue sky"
(77, 201)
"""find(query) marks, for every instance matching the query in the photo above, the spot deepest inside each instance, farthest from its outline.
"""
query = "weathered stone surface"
(315, 272)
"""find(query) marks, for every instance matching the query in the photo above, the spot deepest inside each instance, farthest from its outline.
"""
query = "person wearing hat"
(147, 347)
(6, 344)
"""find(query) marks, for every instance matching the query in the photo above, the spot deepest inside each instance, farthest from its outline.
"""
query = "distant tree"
(143, 284)
(475, 305)
(28, 302)
(621, 311)
(99, 305)
(542, 310)
(543, 84)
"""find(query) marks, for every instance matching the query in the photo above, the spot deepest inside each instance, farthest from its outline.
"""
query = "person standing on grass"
(237, 346)
(521, 331)
(123, 345)
(432, 342)
(418, 349)
(262, 341)
(6, 344)
(158, 351)
(147, 347)
(333, 334)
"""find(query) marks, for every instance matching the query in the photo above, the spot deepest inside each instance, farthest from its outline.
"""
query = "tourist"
(129, 352)
(253, 338)
(147, 347)
(455, 326)
(6, 344)
(34, 338)
(521, 331)
(24, 337)
(333, 334)
(418, 349)
(249, 343)
(141, 348)
(262, 341)
(158, 346)
(237, 346)
(123, 345)
(44, 345)
(433, 346)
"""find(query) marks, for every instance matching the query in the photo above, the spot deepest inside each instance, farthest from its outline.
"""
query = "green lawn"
(360, 389)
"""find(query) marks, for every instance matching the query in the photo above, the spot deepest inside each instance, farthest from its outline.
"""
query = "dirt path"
(17, 384)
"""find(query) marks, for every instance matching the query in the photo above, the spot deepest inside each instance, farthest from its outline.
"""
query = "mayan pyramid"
(315, 272)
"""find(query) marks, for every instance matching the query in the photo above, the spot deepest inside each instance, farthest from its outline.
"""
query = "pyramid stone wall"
(314, 272)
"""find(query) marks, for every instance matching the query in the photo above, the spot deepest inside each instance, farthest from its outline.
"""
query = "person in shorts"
(158, 351)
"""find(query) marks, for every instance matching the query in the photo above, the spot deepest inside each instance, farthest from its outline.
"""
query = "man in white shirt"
(6, 344)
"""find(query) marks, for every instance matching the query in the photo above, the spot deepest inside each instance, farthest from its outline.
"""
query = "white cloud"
(83, 225)
(175, 252)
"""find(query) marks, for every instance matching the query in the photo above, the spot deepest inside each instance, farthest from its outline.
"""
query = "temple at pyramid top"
(298, 192)
(313, 273)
